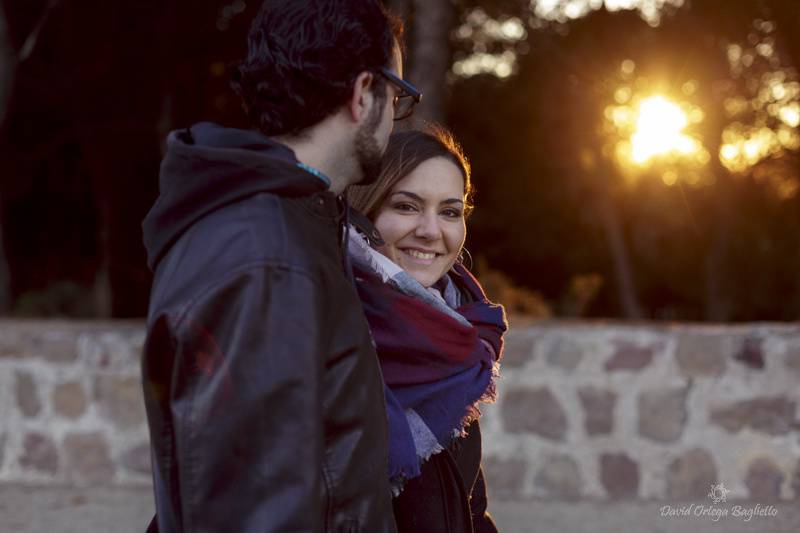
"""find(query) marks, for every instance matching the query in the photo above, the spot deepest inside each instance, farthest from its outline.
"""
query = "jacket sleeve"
(481, 520)
(247, 405)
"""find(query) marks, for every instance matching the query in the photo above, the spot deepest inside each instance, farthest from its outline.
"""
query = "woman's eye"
(452, 213)
(404, 207)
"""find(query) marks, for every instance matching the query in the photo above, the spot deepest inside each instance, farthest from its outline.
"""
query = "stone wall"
(609, 411)
(585, 410)
(71, 403)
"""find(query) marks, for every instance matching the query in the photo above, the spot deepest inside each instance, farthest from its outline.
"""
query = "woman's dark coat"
(450, 494)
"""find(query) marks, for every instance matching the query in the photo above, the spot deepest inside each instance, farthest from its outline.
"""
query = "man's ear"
(362, 99)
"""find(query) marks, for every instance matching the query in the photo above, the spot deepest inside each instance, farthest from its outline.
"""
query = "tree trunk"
(717, 308)
(430, 48)
(102, 292)
(623, 273)
(718, 304)
(5, 279)
(8, 65)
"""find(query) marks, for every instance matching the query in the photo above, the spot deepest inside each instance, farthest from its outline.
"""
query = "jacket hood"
(207, 167)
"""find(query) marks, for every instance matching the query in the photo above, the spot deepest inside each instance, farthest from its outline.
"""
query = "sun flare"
(652, 134)
(659, 130)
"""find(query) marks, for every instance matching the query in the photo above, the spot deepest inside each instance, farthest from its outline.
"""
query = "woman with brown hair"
(438, 337)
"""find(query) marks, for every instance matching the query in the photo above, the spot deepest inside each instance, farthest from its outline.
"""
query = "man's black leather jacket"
(262, 387)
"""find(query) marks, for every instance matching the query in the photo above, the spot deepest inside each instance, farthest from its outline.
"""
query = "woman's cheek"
(389, 251)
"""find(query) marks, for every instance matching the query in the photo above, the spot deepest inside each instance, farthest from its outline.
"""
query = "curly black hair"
(304, 56)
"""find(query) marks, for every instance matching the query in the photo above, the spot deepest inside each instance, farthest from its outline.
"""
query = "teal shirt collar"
(314, 172)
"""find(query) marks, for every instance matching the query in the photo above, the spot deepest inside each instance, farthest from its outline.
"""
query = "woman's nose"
(428, 227)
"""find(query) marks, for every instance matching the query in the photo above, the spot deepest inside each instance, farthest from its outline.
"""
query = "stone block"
(135, 341)
(701, 355)
(137, 459)
(55, 346)
(534, 410)
(795, 481)
(504, 477)
(619, 475)
(690, 475)
(598, 410)
(39, 453)
(793, 358)
(662, 414)
(87, 457)
(10, 344)
(112, 351)
(69, 399)
(566, 354)
(559, 477)
(751, 353)
(763, 480)
(27, 394)
(770, 415)
(630, 356)
(518, 350)
(120, 400)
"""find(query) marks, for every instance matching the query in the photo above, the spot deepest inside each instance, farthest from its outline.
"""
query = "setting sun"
(647, 129)
(659, 130)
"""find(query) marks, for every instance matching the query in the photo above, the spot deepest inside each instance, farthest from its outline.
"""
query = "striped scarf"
(438, 350)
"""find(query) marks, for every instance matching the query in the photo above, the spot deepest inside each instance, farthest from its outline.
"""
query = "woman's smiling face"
(422, 220)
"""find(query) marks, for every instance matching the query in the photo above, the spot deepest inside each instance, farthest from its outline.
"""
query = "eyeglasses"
(408, 96)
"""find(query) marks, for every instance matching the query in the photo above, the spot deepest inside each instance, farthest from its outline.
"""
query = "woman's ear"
(362, 99)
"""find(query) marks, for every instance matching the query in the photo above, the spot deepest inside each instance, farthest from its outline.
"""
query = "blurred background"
(632, 158)
(635, 160)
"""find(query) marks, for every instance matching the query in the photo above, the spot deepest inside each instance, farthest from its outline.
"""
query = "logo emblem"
(718, 493)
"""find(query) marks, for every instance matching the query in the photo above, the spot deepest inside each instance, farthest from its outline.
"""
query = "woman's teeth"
(421, 255)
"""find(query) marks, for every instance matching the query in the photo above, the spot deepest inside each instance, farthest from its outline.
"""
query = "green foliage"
(62, 299)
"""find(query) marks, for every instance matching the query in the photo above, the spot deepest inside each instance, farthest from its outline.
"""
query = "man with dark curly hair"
(263, 392)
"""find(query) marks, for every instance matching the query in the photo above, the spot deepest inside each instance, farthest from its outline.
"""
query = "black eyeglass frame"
(407, 90)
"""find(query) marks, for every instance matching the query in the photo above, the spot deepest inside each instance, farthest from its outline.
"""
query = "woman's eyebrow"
(409, 194)
(419, 198)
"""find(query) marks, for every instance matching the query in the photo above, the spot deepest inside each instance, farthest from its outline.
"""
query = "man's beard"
(368, 153)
